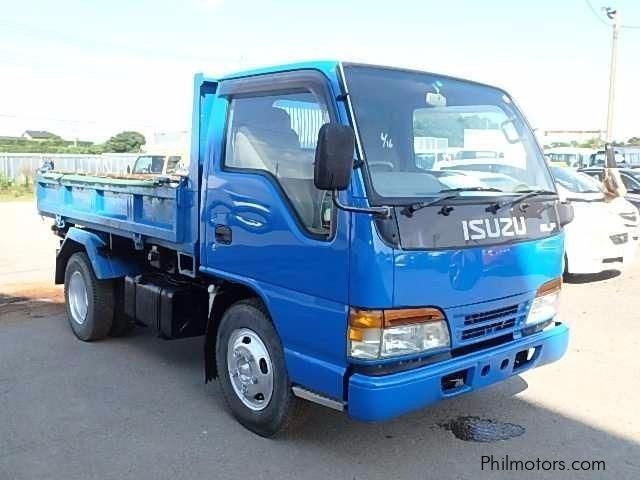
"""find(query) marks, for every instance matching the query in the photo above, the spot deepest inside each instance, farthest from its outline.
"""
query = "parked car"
(486, 165)
(473, 154)
(601, 236)
(569, 156)
(157, 164)
(597, 159)
(630, 177)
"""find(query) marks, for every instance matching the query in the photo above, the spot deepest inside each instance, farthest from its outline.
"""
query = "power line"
(595, 13)
(604, 22)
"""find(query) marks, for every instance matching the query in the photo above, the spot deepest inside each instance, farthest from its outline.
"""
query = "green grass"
(12, 191)
(13, 194)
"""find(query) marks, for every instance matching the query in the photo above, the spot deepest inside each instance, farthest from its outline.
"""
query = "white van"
(569, 156)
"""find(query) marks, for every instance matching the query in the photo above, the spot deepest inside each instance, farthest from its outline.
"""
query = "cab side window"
(278, 134)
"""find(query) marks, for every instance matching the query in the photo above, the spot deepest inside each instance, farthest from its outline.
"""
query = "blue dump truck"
(367, 238)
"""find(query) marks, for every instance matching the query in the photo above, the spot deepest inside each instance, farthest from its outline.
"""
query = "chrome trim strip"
(317, 398)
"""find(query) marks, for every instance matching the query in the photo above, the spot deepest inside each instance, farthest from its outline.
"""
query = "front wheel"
(566, 275)
(253, 376)
(89, 301)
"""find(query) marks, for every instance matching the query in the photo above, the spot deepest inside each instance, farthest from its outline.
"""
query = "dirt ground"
(137, 407)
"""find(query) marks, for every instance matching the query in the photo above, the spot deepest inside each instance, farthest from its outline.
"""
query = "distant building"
(40, 135)
(548, 137)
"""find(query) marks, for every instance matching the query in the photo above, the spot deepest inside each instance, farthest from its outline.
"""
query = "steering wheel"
(382, 166)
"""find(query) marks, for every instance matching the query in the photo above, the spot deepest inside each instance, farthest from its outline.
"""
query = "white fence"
(17, 165)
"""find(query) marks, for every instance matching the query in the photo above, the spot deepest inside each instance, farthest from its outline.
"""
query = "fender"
(317, 374)
(220, 298)
(105, 266)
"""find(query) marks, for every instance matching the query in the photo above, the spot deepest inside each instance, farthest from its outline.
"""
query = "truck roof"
(328, 67)
(322, 65)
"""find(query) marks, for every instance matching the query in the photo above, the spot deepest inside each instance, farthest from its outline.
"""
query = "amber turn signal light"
(551, 286)
(360, 318)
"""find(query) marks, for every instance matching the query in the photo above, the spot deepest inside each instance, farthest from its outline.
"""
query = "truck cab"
(331, 263)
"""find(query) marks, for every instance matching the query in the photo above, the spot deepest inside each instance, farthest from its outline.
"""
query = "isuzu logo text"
(494, 228)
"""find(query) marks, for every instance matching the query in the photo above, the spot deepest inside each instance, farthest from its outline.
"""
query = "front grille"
(620, 238)
(490, 315)
(489, 323)
(478, 332)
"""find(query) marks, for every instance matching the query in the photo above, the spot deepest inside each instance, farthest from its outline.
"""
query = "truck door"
(268, 226)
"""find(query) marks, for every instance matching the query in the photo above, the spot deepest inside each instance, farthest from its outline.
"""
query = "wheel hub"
(78, 302)
(250, 368)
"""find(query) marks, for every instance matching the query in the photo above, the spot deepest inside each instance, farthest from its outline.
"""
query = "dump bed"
(146, 209)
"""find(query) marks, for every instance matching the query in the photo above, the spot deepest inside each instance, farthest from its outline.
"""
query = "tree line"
(595, 143)
(122, 142)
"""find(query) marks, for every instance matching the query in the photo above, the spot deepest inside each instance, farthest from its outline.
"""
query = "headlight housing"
(545, 306)
(377, 334)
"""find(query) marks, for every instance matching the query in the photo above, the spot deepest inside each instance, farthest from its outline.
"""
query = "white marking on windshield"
(386, 140)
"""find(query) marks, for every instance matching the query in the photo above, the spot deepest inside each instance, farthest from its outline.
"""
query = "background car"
(157, 164)
(597, 159)
(569, 156)
(630, 177)
(601, 236)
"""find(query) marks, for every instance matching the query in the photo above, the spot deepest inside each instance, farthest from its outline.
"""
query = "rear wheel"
(253, 376)
(89, 301)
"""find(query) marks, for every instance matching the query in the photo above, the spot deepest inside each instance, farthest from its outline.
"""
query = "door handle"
(223, 234)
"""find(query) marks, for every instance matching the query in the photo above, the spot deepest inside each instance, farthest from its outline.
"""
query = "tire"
(248, 322)
(566, 275)
(89, 302)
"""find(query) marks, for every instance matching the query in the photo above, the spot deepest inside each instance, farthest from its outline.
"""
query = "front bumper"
(596, 260)
(373, 398)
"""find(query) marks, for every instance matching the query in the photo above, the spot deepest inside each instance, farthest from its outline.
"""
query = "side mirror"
(334, 157)
(565, 213)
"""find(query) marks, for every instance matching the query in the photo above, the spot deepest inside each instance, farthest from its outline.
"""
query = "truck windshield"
(173, 163)
(424, 133)
(149, 164)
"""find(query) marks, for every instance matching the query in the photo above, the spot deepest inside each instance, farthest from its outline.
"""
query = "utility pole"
(612, 181)
(615, 18)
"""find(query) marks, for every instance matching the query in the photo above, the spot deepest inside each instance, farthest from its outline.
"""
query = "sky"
(89, 69)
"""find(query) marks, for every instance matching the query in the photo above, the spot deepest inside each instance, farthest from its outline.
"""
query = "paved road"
(137, 407)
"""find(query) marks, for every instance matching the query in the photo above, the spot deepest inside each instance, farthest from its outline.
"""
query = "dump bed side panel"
(144, 210)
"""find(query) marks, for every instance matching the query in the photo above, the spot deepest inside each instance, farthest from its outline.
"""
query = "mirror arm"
(384, 212)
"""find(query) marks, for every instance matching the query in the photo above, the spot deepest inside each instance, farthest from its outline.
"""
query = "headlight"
(389, 333)
(545, 305)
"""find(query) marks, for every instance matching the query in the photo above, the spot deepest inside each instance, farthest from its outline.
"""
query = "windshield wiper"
(525, 194)
(446, 194)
